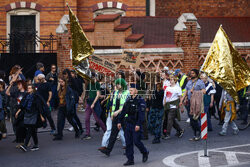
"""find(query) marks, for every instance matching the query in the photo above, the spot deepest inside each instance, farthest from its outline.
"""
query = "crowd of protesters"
(28, 104)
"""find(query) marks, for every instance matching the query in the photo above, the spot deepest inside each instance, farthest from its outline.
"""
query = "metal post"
(205, 148)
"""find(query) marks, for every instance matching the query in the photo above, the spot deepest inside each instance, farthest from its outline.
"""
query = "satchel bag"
(30, 118)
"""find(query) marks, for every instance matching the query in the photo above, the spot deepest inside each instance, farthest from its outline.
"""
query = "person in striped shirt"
(208, 98)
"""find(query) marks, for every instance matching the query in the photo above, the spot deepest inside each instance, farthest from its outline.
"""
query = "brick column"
(64, 44)
(187, 36)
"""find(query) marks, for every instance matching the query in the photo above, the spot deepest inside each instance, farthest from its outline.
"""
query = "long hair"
(62, 92)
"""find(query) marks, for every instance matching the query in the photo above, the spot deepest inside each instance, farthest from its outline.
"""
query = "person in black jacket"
(76, 87)
(32, 109)
(66, 109)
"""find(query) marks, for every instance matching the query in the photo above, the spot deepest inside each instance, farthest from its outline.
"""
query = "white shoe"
(71, 129)
(188, 120)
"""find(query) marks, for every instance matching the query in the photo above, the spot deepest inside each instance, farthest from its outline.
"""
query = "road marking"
(204, 162)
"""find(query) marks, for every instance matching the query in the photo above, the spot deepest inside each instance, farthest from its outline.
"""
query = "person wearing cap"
(182, 79)
(119, 98)
(134, 111)
(40, 69)
(45, 91)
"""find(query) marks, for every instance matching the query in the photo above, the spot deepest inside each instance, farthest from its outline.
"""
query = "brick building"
(170, 39)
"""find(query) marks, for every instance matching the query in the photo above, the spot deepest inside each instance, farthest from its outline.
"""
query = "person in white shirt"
(166, 83)
(171, 101)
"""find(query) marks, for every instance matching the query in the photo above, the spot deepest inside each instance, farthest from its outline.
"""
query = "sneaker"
(181, 133)
(105, 151)
(145, 157)
(188, 120)
(192, 139)
(86, 137)
(222, 133)
(129, 163)
(71, 129)
(23, 148)
(34, 148)
(197, 138)
(166, 137)
(236, 132)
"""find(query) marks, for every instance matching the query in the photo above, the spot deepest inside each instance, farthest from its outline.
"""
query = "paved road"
(173, 152)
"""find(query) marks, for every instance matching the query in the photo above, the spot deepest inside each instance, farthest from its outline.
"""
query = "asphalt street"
(230, 150)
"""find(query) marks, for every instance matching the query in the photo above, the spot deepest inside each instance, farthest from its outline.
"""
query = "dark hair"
(23, 84)
(33, 87)
(39, 65)
(196, 71)
(3, 84)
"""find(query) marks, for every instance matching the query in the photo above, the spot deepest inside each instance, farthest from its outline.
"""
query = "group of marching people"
(122, 108)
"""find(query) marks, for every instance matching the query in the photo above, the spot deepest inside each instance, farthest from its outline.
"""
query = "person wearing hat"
(134, 111)
(119, 98)
(182, 79)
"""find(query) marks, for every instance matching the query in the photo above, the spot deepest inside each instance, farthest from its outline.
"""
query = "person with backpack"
(32, 109)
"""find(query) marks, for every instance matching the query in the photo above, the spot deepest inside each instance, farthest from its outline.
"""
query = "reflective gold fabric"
(81, 47)
(225, 65)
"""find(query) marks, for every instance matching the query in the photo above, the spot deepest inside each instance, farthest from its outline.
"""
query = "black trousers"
(114, 134)
(61, 115)
(165, 123)
(31, 132)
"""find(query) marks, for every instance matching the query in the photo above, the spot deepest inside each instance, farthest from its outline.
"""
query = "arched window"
(23, 21)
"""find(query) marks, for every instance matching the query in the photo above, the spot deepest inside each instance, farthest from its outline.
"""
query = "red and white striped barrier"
(204, 126)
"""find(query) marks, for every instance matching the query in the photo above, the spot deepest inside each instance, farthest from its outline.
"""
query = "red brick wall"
(203, 7)
(53, 10)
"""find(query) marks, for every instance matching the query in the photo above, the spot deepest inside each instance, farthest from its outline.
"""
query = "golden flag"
(225, 65)
(81, 47)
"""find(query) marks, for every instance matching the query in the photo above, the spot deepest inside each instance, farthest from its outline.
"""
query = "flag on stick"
(81, 47)
(225, 65)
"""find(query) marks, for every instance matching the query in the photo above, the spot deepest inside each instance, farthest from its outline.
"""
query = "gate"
(18, 49)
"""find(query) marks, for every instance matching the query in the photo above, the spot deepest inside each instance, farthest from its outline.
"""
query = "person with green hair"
(118, 100)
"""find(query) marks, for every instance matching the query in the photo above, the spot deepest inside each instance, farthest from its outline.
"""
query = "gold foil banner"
(81, 47)
(225, 65)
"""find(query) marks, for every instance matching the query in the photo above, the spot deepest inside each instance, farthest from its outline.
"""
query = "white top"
(172, 94)
(166, 83)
